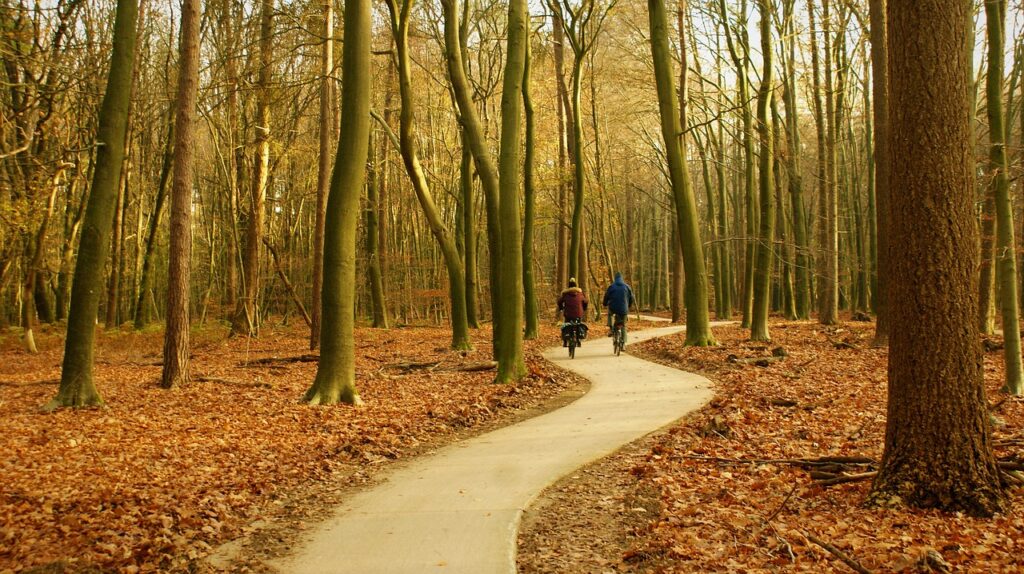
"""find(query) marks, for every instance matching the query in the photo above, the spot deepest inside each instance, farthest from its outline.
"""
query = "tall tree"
(880, 125)
(325, 130)
(247, 317)
(400, 17)
(739, 50)
(336, 372)
(766, 172)
(176, 335)
(511, 364)
(999, 182)
(530, 311)
(698, 328)
(77, 388)
(938, 447)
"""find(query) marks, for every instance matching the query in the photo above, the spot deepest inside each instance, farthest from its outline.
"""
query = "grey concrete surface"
(458, 510)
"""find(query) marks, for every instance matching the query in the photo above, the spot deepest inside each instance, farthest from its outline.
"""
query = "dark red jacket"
(573, 303)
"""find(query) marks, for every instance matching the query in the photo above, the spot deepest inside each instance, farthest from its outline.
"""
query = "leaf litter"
(155, 480)
(706, 496)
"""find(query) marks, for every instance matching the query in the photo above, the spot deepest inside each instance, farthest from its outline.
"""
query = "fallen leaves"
(155, 479)
(826, 397)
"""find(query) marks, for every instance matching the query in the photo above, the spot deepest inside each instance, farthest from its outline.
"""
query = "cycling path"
(458, 510)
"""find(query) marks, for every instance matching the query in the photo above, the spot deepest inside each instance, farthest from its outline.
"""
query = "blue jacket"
(618, 297)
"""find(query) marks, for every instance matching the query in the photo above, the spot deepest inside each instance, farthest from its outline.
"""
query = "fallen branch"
(288, 284)
(1009, 465)
(838, 554)
(259, 384)
(825, 460)
(488, 366)
(307, 358)
(413, 366)
(783, 505)
(847, 478)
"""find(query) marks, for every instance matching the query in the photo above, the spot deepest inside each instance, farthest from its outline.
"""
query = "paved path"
(458, 510)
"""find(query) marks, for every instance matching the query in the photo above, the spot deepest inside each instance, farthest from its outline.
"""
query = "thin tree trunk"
(142, 314)
(766, 170)
(323, 174)
(530, 310)
(378, 301)
(456, 281)
(247, 315)
(1006, 249)
(176, 336)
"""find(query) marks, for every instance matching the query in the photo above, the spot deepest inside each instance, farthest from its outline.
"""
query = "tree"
(400, 16)
(698, 329)
(336, 373)
(247, 317)
(529, 204)
(511, 364)
(880, 95)
(938, 448)
(1006, 249)
(176, 335)
(77, 388)
(766, 174)
(325, 130)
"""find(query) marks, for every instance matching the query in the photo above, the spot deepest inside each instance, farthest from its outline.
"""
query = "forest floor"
(687, 500)
(157, 480)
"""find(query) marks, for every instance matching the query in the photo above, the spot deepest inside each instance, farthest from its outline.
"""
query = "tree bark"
(400, 16)
(766, 174)
(698, 328)
(323, 173)
(77, 388)
(176, 336)
(532, 318)
(999, 184)
(247, 316)
(938, 449)
(336, 372)
(511, 363)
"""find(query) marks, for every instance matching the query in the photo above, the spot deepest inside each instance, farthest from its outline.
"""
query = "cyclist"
(618, 298)
(573, 305)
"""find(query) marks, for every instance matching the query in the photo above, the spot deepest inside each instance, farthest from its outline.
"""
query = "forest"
(254, 253)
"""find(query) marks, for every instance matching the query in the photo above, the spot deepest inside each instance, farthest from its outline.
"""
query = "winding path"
(458, 510)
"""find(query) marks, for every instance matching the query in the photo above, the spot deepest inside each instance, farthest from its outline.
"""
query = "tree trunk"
(77, 388)
(741, 62)
(469, 233)
(176, 336)
(336, 372)
(511, 364)
(698, 328)
(142, 315)
(938, 449)
(485, 167)
(378, 301)
(999, 184)
(530, 310)
(766, 171)
(323, 173)
(247, 316)
(400, 16)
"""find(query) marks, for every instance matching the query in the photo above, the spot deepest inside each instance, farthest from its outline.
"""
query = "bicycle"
(619, 336)
(572, 336)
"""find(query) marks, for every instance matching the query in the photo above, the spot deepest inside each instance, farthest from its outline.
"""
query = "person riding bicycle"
(618, 298)
(573, 305)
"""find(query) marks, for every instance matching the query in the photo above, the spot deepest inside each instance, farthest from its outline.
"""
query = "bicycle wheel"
(618, 341)
(572, 346)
